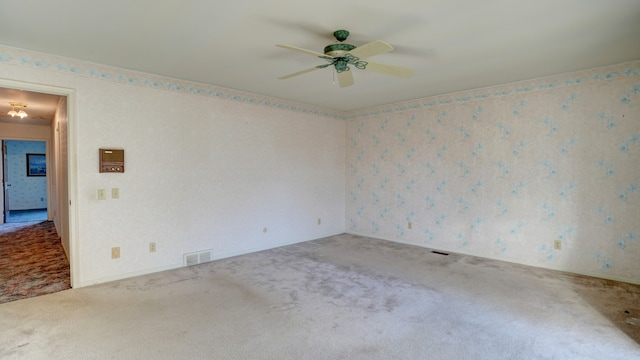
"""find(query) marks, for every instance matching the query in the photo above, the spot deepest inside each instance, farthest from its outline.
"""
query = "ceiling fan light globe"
(22, 114)
(12, 112)
(341, 66)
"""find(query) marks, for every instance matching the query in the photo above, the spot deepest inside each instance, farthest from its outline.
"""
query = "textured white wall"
(503, 172)
(206, 168)
(203, 174)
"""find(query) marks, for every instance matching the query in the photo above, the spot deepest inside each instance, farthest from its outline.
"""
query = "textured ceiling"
(452, 45)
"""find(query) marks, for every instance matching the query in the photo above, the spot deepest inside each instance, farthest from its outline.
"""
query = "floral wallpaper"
(26, 192)
(508, 172)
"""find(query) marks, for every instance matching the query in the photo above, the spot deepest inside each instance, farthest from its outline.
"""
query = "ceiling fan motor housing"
(337, 50)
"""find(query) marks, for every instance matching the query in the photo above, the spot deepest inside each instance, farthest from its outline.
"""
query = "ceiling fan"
(342, 55)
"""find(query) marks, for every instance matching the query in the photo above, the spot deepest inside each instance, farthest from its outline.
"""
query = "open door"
(3, 171)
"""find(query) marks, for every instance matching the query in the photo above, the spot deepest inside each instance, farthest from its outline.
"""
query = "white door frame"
(72, 163)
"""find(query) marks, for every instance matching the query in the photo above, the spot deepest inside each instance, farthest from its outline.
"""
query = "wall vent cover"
(198, 257)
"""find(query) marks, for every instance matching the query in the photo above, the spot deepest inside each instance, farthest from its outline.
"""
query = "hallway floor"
(16, 216)
(33, 261)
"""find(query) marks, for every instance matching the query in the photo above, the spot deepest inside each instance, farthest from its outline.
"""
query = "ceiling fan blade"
(299, 73)
(370, 49)
(390, 69)
(345, 78)
(295, 48)
(414, 51)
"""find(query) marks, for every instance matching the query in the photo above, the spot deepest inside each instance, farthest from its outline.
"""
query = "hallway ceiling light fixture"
(21, 113)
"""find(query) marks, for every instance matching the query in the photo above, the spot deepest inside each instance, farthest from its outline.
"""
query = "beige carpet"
(344, 297)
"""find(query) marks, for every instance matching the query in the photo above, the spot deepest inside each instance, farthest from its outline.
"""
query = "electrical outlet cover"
(557, 245)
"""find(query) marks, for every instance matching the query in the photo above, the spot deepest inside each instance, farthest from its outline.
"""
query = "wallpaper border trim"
(55, 63)
(575, 78)
(28, 58)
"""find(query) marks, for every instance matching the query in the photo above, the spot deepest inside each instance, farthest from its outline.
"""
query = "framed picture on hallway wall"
(36, 165)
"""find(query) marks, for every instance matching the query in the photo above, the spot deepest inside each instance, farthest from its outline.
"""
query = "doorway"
(25, 183)
(55, 130)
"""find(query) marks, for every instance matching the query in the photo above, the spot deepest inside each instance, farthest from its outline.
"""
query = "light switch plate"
(102, 194)
(115, 193)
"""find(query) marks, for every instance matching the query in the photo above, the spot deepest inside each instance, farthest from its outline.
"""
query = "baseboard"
(128, 275)
(217, 256)
(272, 246)
(590, 274)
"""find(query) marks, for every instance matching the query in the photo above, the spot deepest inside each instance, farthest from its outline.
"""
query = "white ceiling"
(453, 45)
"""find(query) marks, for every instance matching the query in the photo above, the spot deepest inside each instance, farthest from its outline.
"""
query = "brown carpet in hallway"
(33, 261)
